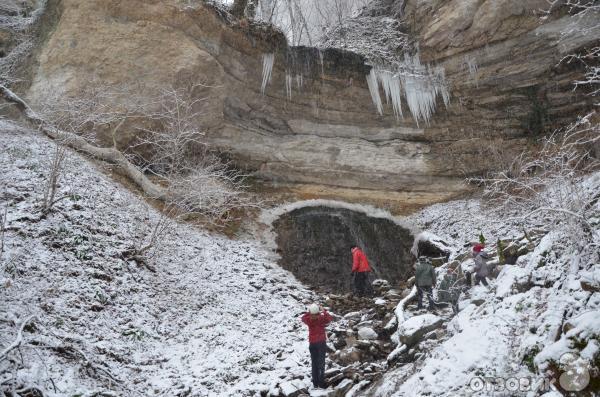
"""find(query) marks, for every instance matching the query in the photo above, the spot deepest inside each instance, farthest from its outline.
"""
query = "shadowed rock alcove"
(314, 244)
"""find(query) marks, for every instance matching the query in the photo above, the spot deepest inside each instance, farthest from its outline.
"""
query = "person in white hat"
(317, 318)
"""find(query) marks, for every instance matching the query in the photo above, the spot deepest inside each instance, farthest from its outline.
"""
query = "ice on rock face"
(268, 61)
(288, 85)
(420, 84)
(374, 90)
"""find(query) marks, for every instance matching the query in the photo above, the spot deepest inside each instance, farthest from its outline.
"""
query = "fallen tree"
(74, 141)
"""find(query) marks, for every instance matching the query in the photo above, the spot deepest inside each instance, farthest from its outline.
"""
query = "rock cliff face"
(328, 132)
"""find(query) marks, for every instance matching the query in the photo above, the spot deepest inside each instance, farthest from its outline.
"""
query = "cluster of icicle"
(420, 84)
(289, 83)
(267, 71)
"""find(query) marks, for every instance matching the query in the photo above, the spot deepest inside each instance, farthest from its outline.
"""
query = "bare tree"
(187, 177)
(548, 181)
(197, 181)
(79, 117)
(305, 21)
(3, 222)
(55, 171)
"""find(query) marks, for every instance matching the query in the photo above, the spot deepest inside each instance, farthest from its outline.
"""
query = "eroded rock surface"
(328, 132)
(314, 244)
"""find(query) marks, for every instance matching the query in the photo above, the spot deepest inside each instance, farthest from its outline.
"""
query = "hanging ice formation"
(374, 89)
(288, 84)
(268, 60)
(321, 62)
(471, 66)
(299, 81)
(420, 84)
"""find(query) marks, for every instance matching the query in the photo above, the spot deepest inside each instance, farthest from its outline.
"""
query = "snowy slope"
(216, 317)
(520, 329)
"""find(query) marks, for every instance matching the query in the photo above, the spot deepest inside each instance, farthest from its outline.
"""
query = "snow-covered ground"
(216, 317)
(532, 314)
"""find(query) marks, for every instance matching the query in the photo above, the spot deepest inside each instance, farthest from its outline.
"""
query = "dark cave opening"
(314, 244)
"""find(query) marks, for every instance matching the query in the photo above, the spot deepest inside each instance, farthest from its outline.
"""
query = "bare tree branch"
(18, 340)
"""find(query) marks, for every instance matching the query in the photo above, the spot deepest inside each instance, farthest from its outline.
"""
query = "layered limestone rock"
(328, 132)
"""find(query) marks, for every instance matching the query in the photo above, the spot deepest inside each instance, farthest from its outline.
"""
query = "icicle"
(321, 62)
(268, 60)
(420, 84)
(471, 66)
(299, 81)
(394, 88)
(288, 84)
(385, 78)
(374, 90)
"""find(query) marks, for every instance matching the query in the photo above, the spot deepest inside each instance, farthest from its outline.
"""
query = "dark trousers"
(317, 357)
(478, 279)
(429, 291)
(361, 281)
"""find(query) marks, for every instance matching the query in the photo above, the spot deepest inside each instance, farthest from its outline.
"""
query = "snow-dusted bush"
(551, 181)
(187, 177)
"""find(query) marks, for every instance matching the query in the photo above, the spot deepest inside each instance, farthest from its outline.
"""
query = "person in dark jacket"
(360, 271)
(424, 280)
(317, 319)
(449, 289)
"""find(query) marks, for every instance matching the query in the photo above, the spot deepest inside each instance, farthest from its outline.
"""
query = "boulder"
(412, 330)
(512, 279)
(338, 391)
(342, 388)
(430, 245)
(293, 388)
(367, 333)
(348, 355)
(437, 262)
(510, 252)
(590, 281)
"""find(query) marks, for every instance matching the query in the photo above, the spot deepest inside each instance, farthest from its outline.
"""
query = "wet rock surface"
(315, 242)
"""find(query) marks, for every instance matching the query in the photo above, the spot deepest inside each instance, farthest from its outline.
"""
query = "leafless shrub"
(55, 171)
(549, 181)
(198, 182)
(188, 179)
(100, 108)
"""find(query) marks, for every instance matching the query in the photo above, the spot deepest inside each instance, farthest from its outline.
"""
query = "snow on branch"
(550, 180)
(187, 183)
(18, 340)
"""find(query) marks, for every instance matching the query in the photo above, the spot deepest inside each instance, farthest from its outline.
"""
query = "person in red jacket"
(360, 270)
(317, 319)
